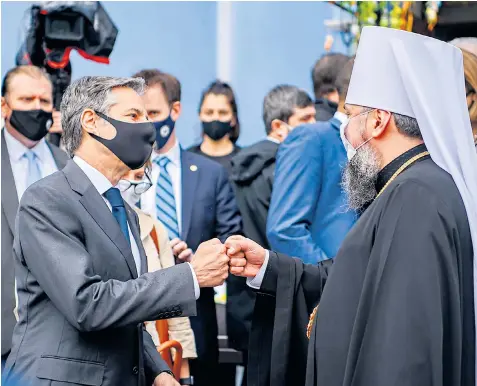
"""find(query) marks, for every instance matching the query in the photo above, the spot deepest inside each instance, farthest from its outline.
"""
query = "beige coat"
(179, 328)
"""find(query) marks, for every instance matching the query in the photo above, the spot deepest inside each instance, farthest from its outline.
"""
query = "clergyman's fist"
(211, 263)
(246, 256)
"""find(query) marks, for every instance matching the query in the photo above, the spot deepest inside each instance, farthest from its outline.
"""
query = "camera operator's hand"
(210, 263)
(246, 256)
(56, 126)
(180, 250)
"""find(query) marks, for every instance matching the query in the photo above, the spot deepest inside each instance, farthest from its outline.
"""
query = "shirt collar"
(99, 181)
(174, 154)
(340, 116)
(273, 140)
(388, 171)
(16, 149)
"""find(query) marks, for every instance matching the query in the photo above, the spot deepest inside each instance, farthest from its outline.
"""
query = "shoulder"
(50, 192)
(309, 134)
(190, 158)
(427, 186)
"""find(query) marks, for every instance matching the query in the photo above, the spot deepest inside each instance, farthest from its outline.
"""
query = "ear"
(176, 110)
(381, 120)
(5, 109)
(279, 129)
(88, 121)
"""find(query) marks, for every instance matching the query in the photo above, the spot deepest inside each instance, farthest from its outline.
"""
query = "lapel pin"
(193, 168)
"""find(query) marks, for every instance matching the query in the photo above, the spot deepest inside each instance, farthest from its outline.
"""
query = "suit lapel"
(134, 225)
(189, 179)
(9, 190)
(99, 211)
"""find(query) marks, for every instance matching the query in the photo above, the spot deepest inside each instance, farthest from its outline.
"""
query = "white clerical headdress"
(423, 78)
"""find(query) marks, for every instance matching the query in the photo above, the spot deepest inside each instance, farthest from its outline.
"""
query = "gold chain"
(393, 177)
(401, 169)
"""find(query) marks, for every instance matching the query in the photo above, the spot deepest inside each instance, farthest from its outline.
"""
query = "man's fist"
(211, 263)
(246, 256)
(180, 250)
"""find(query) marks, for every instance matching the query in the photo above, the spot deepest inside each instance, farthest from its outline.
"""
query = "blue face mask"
(164, 130)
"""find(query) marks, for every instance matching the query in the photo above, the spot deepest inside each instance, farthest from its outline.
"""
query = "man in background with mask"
(308, 216)
(27, 104)
(192, 197)
(83, 290)
(284, 108)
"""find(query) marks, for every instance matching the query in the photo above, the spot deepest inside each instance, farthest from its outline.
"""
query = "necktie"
(113, 195)
(34, 173)
(165, 201)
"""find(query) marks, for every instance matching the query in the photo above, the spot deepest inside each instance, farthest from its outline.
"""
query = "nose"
(36, 104)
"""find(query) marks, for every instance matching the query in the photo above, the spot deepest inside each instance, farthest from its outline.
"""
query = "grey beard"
(359, 177)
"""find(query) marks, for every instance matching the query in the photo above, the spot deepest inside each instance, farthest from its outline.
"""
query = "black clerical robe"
(398, 305)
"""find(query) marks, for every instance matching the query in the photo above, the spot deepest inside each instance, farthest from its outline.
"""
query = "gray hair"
(89, 92)
(281, 102)
(406, 125)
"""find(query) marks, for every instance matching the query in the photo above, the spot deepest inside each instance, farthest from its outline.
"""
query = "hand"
(180, 250)
(210, 263)
(56, 126)
(165, 379)
(246, 256)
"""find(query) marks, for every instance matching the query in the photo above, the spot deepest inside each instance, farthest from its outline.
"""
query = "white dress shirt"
(340, 116)
(102, 184)
(16, 152)
(148, 199)
(273, 140)
(256, 282)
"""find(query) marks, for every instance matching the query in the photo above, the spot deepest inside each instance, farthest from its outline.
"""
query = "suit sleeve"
(296, 191)
(50, 241)
(153, 362)
(228, 220)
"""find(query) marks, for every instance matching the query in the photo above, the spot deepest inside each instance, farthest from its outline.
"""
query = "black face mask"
(216, 129)
(132, 143)
(33, 124)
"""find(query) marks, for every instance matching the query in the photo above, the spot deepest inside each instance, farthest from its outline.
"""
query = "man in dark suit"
(308, 216)
(26, 156)
(83, 290)
(194, 200)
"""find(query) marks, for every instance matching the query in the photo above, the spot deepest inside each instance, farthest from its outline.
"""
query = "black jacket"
(325, 109)
(252, 179)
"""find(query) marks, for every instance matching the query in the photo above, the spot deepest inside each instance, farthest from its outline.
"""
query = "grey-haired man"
(80, 266)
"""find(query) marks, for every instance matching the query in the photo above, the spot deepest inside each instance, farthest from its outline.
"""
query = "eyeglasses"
(139, 187)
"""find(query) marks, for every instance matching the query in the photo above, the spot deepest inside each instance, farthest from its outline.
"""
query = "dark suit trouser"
(205, 372)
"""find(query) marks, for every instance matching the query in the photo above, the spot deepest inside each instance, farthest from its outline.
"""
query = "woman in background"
(468, 47)
(470, 73)
(159, 255)
(220, 124)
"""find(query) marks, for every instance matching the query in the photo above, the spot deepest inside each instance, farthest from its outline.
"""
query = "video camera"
(55, 28)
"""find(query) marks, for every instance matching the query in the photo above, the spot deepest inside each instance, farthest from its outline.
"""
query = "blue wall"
(273, 42)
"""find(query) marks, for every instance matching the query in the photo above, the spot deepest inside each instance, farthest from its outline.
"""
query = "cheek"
(353, 134)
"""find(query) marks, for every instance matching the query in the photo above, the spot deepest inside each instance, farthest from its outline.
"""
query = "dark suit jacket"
(9, 211)
(81, 304)
(308, 216)
(208, 211)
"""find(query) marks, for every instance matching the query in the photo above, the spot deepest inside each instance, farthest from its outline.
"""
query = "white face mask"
(350, 150)
(131, 197)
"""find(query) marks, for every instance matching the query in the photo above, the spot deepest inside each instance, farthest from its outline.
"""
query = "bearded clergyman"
(395, 307)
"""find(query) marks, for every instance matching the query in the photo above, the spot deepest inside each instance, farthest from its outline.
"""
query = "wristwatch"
(187, 381)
